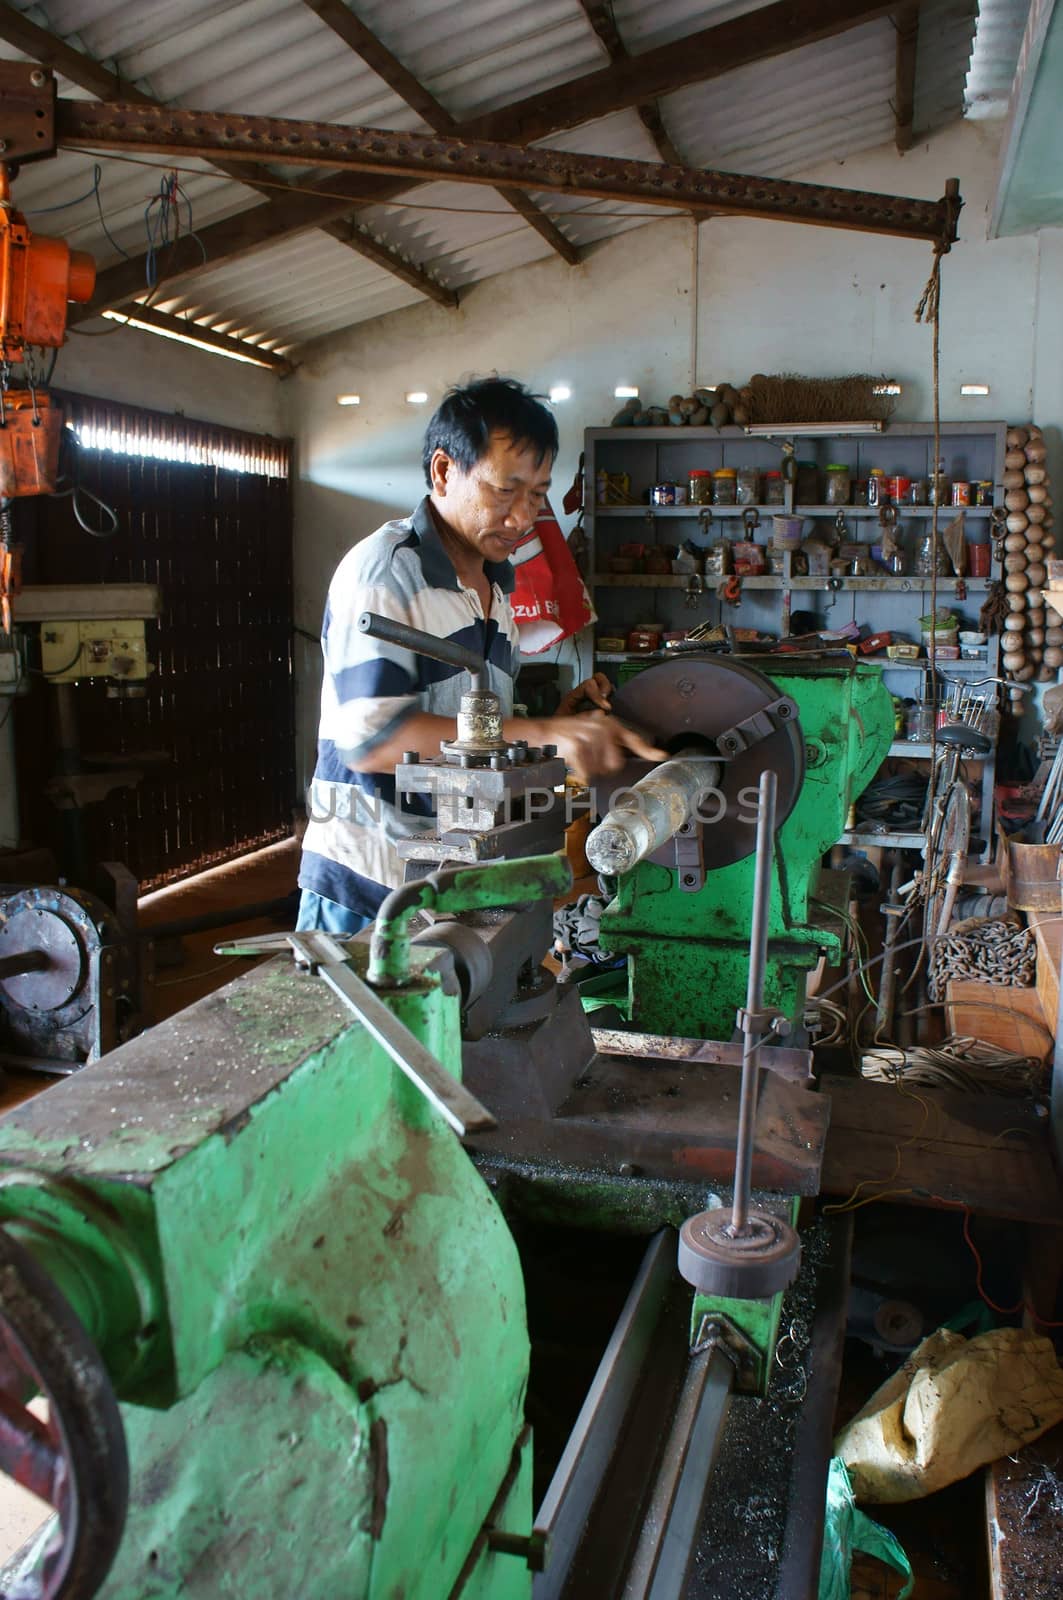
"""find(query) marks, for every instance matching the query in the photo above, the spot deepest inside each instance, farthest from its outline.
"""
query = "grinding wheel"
(687, 703)
(754, 1265)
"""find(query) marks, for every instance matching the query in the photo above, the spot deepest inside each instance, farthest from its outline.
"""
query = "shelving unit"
(885, 602)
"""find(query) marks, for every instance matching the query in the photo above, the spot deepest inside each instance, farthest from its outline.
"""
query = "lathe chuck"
(694, 702)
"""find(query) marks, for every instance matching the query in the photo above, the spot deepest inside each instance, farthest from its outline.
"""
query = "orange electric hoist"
(38, 277)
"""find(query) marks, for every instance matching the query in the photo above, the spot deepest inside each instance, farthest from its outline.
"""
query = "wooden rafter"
(773, 30)
(906, 22)
(600, 16)
(185, 328)
(51, 51)
(698, 57)
(409, 88)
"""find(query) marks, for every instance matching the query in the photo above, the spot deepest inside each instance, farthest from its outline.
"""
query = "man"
(488, 454)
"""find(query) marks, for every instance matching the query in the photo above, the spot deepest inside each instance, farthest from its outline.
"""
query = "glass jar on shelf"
(699, 486)
(876, 487)
(929, 563)
(837, 484)
(940, 487)
(773, 489)
(725, 486)
(748, 486)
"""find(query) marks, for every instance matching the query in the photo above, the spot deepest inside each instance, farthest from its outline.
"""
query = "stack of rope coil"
(985, 950)
(966, 1065)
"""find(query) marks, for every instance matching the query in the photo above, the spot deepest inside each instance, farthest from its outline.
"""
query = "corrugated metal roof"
(276, 57)
(994, 57)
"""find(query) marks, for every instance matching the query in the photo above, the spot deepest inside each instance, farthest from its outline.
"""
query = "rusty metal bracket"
(27, 111)
(86, 125)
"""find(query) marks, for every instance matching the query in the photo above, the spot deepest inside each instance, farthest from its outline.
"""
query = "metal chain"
(991, 952)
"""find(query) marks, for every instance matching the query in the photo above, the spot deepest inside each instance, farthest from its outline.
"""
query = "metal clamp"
(761, 725)
(324, 956)
(770, 1020)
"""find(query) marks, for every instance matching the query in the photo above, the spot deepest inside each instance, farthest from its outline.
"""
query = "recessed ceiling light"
(560, 392)
(886, 388)
(974, 388)
(348, 399)
(624, 391)
(416, 397)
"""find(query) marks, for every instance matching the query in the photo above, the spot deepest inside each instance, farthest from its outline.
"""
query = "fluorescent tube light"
(624, 391)
(811, 430)
(348, 399)
(974, 388)
(560, 392)
(416, 397)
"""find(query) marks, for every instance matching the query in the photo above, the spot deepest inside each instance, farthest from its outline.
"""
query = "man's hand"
(596, 689)
(597, 744)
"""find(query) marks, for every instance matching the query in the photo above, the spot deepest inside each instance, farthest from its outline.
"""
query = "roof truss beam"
(774, 28)
(86, 125)
(51, 51)
(409, 88)
(906, 22)
(599, 14)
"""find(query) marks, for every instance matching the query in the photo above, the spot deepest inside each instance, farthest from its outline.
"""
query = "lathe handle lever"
(423, 644)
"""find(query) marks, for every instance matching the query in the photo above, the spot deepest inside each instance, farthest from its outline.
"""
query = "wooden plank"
(1048, 932)
(906, 22)
(1024, 1521)
(999, 1014)
(928, 1147)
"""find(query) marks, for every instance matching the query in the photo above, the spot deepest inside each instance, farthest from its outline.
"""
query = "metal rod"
(423, 644)
(22, 961)
(758, 954)
(651, 812)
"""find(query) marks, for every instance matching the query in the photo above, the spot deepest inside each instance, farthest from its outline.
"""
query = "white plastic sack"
(955, 1404)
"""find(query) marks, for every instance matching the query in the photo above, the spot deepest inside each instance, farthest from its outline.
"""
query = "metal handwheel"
(76, 1461)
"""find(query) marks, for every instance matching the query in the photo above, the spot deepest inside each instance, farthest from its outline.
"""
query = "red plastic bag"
(550, 601)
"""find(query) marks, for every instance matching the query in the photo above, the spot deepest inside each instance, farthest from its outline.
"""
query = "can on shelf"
(899, 490)
(664, 494)
(961, 492)
(983, 492)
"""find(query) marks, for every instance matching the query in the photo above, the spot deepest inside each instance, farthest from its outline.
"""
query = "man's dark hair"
(463, 425)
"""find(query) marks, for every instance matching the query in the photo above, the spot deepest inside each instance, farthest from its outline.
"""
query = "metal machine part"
(289, 1205)
(654, 810)
(739, 1253)
(687, 943)
(72, 978)
(723, 709)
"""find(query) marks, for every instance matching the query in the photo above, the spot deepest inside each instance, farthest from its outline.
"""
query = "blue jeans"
(328, 916)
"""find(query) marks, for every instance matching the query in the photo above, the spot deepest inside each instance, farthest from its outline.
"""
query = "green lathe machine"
(263, 1260)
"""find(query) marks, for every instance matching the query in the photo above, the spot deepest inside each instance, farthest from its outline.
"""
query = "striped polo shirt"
(369, 688)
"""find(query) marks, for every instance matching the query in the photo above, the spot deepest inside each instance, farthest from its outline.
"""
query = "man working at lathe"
(488, 454)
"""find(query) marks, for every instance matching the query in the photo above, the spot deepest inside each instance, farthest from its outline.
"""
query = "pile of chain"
(985, 950)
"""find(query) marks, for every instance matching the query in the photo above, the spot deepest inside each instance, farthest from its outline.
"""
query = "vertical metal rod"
(758, 953)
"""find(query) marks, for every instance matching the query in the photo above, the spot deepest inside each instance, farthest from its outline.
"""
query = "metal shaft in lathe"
(651, 812)
(758, 951)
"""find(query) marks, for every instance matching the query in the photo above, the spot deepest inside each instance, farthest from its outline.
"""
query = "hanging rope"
(929, 310)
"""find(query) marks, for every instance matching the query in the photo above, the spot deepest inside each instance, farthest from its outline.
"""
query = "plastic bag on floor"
(954, 1405)
(847, 1530)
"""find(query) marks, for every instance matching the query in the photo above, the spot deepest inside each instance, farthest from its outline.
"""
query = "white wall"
(669, 305)
(144, 370)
